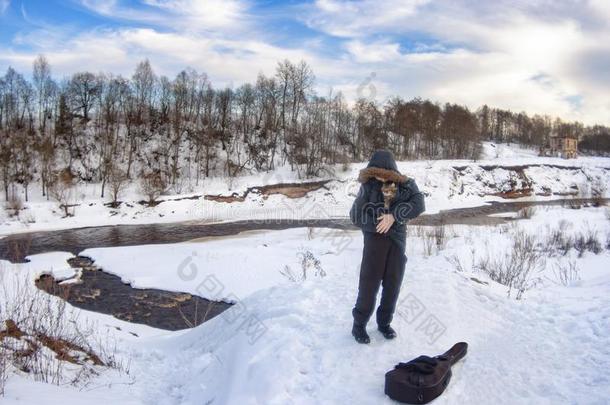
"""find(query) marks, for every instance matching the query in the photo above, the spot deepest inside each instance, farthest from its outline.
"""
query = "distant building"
(565, 146)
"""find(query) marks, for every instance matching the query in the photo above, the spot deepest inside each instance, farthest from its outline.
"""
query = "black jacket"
(368, 206)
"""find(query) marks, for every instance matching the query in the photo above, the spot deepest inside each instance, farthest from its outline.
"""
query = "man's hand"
(385, 223)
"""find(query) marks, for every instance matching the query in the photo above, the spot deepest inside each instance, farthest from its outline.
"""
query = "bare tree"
(118, 181)
(61, 189)
(152, 185)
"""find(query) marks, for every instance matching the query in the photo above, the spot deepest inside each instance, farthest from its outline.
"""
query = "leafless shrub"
(61, 189)
(291, 275)
(515, 269)
(608, 241)
(557, 241)
(429, 240)
(440, 237)
(566, 273)
(152, 185)
(587, 241)
(40, 336)
(180, 181)
(572, 204)
(198, 317)
(420, 231)
(308, 262)
(526, 212)
(456, 262)
(117, 181)
(434, 239)
(3, 368)
(14, 204)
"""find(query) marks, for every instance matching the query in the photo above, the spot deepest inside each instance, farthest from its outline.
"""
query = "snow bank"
(291, 343)
(217, 268)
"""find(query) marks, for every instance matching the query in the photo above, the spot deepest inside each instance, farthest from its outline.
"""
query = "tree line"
(174, 132)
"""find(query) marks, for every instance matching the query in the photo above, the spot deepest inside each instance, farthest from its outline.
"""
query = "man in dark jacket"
(382, 215)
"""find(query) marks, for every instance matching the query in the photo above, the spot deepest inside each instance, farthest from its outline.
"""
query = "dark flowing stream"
(102, 292)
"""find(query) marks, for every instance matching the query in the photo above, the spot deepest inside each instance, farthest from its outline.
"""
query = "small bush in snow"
(516, 268)
(429, 240)
(419, 230)
(117, 182)
(434, 239)
(557, 241)
(308, 262)
(152, 185)
(587, 241)
(526, 212)
(608, 241)
(440, 237)
(566, 273)
(61, 189)
(41, 336)
(575, 205)
(456, 262)
(4, 356)
(199, 316)
(14, 204)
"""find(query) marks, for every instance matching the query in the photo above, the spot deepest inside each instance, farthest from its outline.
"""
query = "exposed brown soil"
(512, 194)
(521, 167)
(290, 190)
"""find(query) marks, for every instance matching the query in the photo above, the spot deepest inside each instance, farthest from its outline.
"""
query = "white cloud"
(484, 52)
(535, 56)
(226, 61)
(373, 52)
(181, 15)
(358, 18)
(205, 13)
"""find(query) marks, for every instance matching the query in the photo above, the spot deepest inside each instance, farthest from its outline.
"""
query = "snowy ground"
(445, 188)
(287, 342)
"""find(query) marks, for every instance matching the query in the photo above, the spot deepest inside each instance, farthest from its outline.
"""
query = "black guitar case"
(423, 379)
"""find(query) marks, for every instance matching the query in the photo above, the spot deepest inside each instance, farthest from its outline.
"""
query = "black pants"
(383, 263)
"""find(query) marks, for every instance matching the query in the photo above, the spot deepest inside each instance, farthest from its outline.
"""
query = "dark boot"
(359, 333)
(387, 331)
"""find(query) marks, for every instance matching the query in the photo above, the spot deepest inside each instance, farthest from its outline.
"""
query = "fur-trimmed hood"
(383, 166)
(385, 174)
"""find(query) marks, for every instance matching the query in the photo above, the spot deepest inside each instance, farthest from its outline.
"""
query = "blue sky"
(541, 56)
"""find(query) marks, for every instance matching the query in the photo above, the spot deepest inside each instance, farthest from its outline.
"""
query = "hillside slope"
(513, 173)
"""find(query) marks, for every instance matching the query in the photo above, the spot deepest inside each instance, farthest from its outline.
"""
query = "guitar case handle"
(456, 353)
